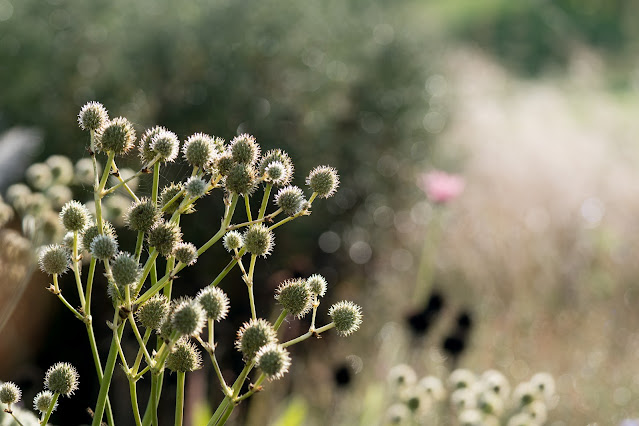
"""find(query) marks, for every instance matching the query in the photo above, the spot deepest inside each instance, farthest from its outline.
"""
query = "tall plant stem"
(105, 383)
(179, 399)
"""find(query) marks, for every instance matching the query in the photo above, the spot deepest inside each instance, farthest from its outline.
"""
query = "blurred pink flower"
(441, 187)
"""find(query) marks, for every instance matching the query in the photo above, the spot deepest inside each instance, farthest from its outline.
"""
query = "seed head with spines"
(153, 312)
(184, 357)
(142, 215)
(117, 136)
(347, 317)
(195, 187)
(166, 145)
(224, 163)
(290, 199)
(323, 180)
(295, 296)
(104, 246)
(10, 393)
(241, 179)
(259, 240)
(54, 260)
(233, 240)
(199, 150)
(253, 335)
(74, 216)
(93, 116)
(244, 149)
(62, 378)
(317, 284)
(277, 156)
(185, 253)
(273, 360)
(92, 231)
(168, 193)
(214, 301)
(43, 400)
(125, 269)
(165, 236)
(188, 317)
(146, 152)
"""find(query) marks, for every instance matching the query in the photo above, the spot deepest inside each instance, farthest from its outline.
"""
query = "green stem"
(98, 191)
(47, 415)
(89, 289)
(138, 245)
(226, 415)
(134, 401)
(308, 334)
(179, 399)
(15, 419)
(221, 409)
(140, 340)
(247, 204)
(141, 353)
(225, 224)
(105, 383)
(265, 197)
(280, 319)
(256, 388)
(76, 271)
(123, 182)
(58, 293)
(260, 220)
(156, 183)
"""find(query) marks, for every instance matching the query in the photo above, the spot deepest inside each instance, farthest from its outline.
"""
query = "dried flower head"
(214, 301)
(273, 360)
(277, 156)
(168, 193)
(165, 236)
(188, 318)
(43, 400)
(199, 150)
(195, 187)
(347, 317)
(295, 296)
(117, 136)
(244, 149)
(147, 155)
(317, 284)
(233, 240)
(253, 335)
(224, 163)
(54, 260)
(165, 145)
(103, 246)
(142, 215)
(62, 378)
(259, 240)
(61, 169)
(290, 199)
(92, 116)
(323, 180)
(125, 269)
(241, 179)
(153, 313)
(185, 253)
(92, 231)
(10, 393)
(184, 357)
(74, 216)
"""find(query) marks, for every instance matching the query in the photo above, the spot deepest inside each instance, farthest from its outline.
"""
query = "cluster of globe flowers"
(469, 399)
(139, 293)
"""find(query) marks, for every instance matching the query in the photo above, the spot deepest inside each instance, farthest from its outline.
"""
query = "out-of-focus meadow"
(534, 104)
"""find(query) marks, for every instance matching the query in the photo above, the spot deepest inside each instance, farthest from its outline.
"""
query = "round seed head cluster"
(273, 360)
(153, 313)
(240, 179)
(233, 240)
(277, 157)
(244, 149)
(195, 187)
(39, 176)
(62, 378)
(54, 260)
(92, 231)
(274, 172)
(168, 193)
(61, 169)
(166, 145)
(317, 284)
(294, 296)
(198, 150)
(347, 317)
(253, 335)
(43, 400)
(146, 152)
(290, 199)
(224, 164)
(214, 302)
(184, 357)
(188, 318)
(259, 240)
(323, 180)
(67, 242)
(117, 136)
(92, 116)
(125, 269)
(142, 215)
(103, 246)
(10, 393)
(185, 253)
(165, 236)
(74, 216)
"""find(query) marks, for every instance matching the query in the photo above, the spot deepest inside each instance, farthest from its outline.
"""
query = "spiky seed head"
(275, 173)
(153, 313)
(290, 199)
(199, 150)
(195, 187)
(142, 215)
(59, 195)
(84, 171)
(188, 318)
(166, 145)
(224, 163)
(92, 231)
(273, 360)
(185, 253)
(259, 240)
(253, 335)
(104, 246)
(43, 400)
(62, 378)
(67, 242)
(54, 260)
(93, 115)
(402, 376)
(294, 296)
(61, 169)
(281, 157)
(347, 317)
(168, 193)
(146, 152)
(39, 176)
(323, 180)
(317, 284)
(74, 216)
(241, 179)
(184, 357)
(10, 393)
(233, 240)
(117, 136)
(215, 302)
(244, 149)
(165, 236)
(125, 269)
